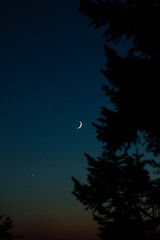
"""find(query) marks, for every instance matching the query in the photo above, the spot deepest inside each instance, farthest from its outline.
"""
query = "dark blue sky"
(49, 81)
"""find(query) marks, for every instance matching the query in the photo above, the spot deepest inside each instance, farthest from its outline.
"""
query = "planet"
(80, 125)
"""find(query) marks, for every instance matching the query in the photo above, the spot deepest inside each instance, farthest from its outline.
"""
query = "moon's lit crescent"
(80, 125)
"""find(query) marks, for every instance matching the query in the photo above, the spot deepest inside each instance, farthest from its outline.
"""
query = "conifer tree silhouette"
(5, 227)
(123, 197)
(134, 78)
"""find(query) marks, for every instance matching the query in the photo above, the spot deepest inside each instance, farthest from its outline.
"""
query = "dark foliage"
(135, 78)
(135, 94)
(123, 198)
(121, 195)
(130, 18)
(5, 227)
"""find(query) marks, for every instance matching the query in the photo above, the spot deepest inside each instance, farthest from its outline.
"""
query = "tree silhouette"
(134, 79)
(5, 227)
(123, 197)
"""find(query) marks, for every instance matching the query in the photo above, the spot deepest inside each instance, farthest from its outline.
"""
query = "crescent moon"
(80, 125)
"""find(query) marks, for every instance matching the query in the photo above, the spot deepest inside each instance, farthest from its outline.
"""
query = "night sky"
(49, 81)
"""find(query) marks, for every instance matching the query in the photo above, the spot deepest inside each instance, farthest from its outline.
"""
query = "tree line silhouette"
(121, 192)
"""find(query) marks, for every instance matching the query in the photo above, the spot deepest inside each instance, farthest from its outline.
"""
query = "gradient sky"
(49, 81)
